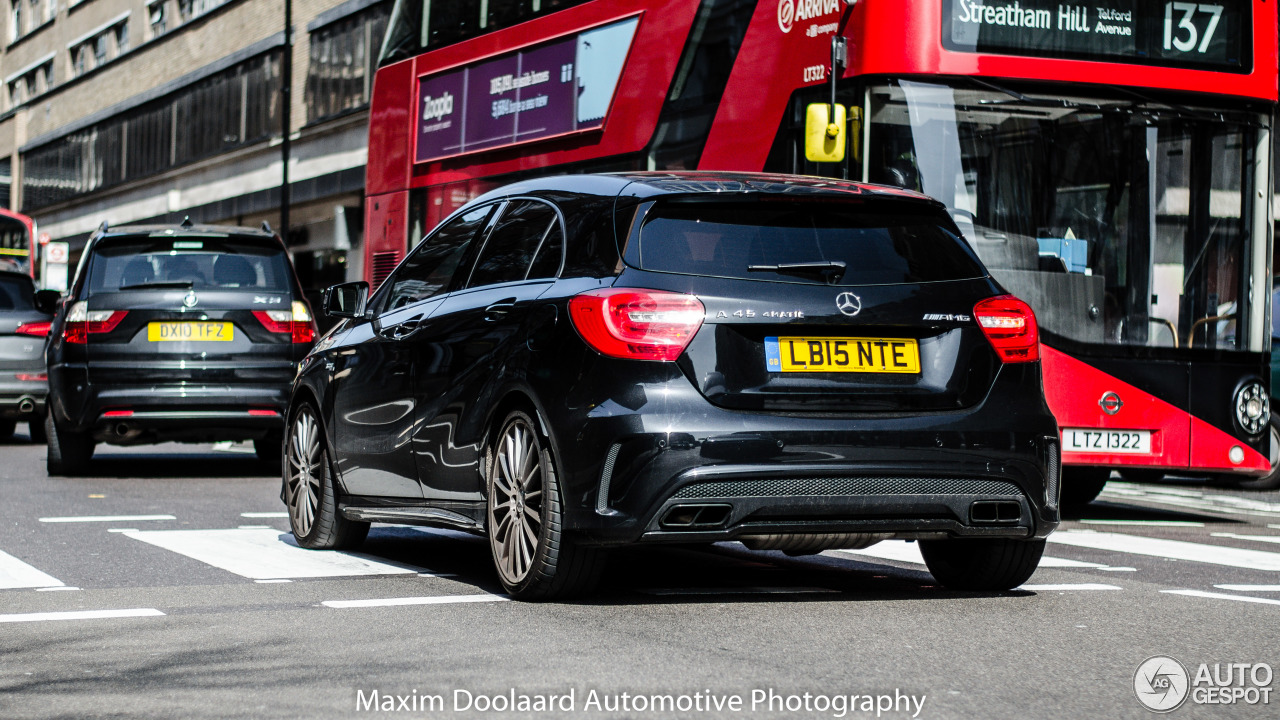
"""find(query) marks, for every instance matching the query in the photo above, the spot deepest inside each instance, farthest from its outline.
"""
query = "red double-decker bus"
(1109, 161)
(17, 242)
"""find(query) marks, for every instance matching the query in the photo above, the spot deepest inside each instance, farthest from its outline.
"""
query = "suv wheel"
(524, 520)
(69, 451)
(982, 563)
(1082, 485)
(309, 490)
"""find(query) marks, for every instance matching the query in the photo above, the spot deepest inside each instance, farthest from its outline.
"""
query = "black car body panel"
(711, 446)
(135, 382)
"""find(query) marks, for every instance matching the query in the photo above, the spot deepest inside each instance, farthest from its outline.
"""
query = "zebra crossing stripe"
(16, 574)
(1223, 596)
(80, 615)
(1173, 549)
(903, 551)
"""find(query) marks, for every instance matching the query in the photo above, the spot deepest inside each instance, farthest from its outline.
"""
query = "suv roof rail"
(266, 227)
(186, 222)
(103, 227)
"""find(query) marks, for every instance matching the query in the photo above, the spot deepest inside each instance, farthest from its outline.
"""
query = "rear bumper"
(143, 414)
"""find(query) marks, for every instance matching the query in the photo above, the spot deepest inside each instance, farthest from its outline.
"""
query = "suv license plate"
(842, 354)
(190, 332)
(1083, 440)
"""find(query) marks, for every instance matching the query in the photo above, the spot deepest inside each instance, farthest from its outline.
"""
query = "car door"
(476, 342)
(373, 373)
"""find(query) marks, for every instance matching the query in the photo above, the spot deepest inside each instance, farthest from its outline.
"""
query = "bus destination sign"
(1197, 35)
(552, 89)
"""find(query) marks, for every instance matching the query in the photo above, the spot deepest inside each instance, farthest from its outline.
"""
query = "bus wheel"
(1271, 480)
(1081, 485)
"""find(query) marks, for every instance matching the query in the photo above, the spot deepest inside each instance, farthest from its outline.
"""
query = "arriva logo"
(790, 11)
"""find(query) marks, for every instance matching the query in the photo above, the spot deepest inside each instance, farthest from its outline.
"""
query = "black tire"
(270, 451)
(69, 451)
(1271, 480)
(1082, 485)
(309, 491)
(6, 429)
(987, 564)
(38, 434)
(539, 562)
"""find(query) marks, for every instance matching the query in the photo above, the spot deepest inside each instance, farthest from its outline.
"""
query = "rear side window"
(226, 263)
(429, 270)
(841, 243)
(509, 252)
(16, 293)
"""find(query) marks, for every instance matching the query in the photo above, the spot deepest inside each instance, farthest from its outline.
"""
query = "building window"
(122, 37)
(100, 48)
(17, 92)
(342, 63)
(15, 18)
(157, 17)
(32, 82)
(234, 108)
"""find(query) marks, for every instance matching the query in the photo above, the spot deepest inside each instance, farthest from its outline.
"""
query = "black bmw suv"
(580, 362)
(187, 333)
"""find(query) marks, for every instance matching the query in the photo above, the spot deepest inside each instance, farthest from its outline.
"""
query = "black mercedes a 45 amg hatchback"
(573, 363)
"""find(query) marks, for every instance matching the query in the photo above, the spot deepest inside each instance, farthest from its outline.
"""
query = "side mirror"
(47, 301)
(346, 300)
(824, 135)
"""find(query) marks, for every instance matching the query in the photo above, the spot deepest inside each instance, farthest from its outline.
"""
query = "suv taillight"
(296, 322)
(81, 322)
(1010, 327)
(38, 329)
(637, 324)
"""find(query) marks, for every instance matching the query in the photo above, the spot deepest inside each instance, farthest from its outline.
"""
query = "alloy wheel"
(516, 508)
(304, 472)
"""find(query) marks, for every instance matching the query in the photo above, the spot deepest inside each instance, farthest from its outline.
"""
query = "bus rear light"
(295, 321)
(637, 324)
(1010, 327)
(82, 322)
(37, 329)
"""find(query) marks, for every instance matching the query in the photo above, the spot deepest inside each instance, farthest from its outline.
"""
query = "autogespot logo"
(1161, 684)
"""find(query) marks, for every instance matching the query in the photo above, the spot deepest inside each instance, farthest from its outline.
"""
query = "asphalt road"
(167, 587)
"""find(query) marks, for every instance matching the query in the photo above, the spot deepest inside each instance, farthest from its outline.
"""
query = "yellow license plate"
(190, 332)
(842, 354)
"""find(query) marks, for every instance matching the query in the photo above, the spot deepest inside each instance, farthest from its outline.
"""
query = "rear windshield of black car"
(840, 243)
(17, 292)
(229, 263)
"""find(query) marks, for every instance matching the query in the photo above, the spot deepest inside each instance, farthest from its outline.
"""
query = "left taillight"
(37, 329)
(296, 321)
(82, 322)
(637, 324)
(1010, 327)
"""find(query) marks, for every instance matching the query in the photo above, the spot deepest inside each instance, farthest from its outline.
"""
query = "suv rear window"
(878, 243)
(209, 262)
(16, 293)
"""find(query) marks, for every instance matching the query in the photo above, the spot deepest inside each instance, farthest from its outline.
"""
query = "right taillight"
(295, 321)
(1010, 327)
(82, 322)
(637, 324)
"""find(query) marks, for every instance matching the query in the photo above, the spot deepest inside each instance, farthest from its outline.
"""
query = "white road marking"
(737, 591)
(56, 589)
(232, 447)
(122, 530)
(1173, 549)
(255, 527)
(80, 615)
(434, 600)
(1221, 596)
(1067, 586)
(106, 518)
(273, 580)
(1249, 588)
(266, 554)
(264, 515)
(909, 552)
(1230, 504)
(1148, 523)
(1259, 538)
(16, 574)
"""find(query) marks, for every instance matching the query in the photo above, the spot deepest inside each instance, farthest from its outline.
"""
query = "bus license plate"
(1083, 440)
(842, 354)
(190, 332)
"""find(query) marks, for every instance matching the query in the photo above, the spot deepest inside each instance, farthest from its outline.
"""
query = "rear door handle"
(499, 310)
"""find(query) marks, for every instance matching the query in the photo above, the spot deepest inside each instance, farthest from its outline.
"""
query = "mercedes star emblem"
(190, 300)
(849, 303)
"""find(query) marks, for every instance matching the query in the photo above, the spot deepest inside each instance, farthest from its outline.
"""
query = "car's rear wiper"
(162, 284)
(829, 270)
